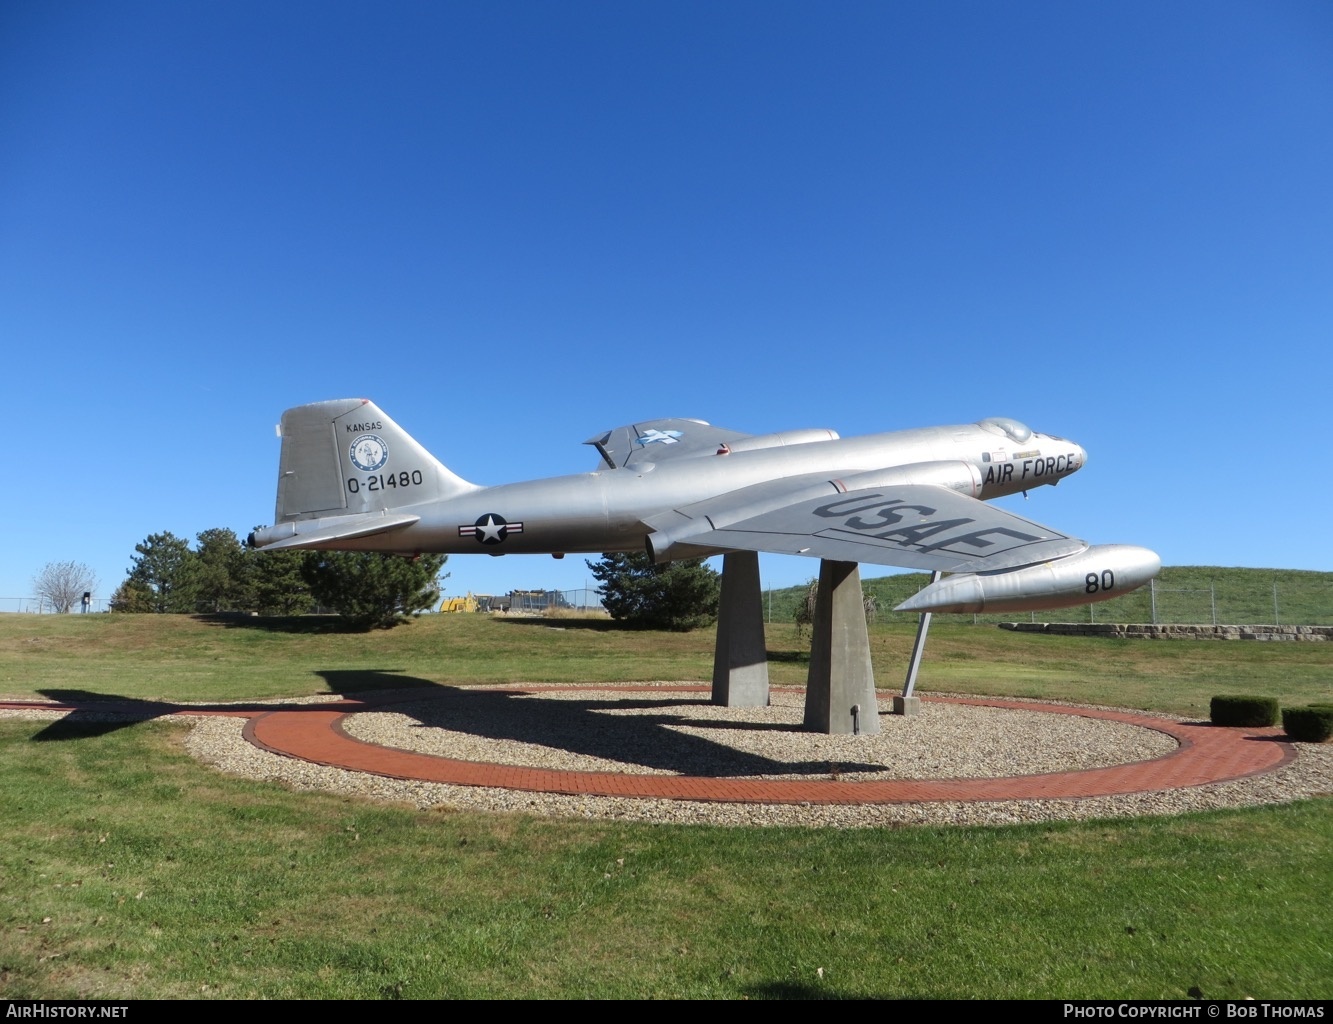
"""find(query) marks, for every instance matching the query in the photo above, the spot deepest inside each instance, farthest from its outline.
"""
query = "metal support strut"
(908, 703)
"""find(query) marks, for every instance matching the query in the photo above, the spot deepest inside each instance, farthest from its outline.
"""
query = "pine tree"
(164, 573)
(220, 572)
(132, 597)
(370, 590)
(275, 584)
(680, 596)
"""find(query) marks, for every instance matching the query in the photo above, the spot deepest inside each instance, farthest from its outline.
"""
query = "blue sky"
(514, 225)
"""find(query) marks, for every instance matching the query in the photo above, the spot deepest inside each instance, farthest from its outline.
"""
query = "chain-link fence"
(537, 602)
(522, 602)
(43, 605)
(584, 599)
(533, 602)
(1178, 596)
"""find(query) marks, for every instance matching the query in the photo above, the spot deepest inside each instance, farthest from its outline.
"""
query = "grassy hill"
(178, 657)
(1181, 594)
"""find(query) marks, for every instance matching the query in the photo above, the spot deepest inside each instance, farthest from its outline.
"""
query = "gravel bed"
(603, 731)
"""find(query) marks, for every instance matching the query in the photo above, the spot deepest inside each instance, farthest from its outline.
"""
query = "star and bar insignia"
(490, 529)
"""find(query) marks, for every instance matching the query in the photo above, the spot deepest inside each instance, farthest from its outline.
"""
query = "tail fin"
(347, 457)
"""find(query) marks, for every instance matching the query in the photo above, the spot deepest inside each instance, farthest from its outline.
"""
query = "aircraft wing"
(659, 440)
(917, 526)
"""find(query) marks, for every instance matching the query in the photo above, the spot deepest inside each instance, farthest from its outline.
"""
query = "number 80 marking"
(1092, 583)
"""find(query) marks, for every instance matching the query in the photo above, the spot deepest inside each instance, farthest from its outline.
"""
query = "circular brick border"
(1207, 754)
(313, 732)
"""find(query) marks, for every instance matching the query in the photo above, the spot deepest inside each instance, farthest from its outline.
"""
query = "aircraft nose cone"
(1082, 455)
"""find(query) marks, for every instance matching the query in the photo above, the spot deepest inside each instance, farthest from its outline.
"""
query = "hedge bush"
(1250, 712)
(1308, 725)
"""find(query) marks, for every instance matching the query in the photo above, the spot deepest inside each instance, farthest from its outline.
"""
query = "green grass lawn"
(129, 870)
(177, 657)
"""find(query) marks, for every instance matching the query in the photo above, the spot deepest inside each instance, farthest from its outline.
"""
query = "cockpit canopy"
(1010, 428)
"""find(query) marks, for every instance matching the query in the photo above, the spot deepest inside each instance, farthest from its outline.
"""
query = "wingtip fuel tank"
(1099, 573)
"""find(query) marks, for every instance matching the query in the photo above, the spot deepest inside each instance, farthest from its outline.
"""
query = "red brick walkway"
(313, 732)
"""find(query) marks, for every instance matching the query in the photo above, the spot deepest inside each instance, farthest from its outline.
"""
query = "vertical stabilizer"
(346, 457)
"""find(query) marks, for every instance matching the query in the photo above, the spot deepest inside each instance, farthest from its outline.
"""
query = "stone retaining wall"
(1146, 631)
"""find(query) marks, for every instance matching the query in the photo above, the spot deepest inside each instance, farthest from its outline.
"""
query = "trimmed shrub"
(1308, 725)
(1250, 712)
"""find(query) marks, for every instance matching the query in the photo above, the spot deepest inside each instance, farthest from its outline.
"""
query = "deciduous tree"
(681, 595)
(63, 583)
(809, 601)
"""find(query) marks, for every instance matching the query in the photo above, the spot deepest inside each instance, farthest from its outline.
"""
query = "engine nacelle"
(266, 535)
(663, 548)
(962, 477)
(786, 437)
(1097, 574)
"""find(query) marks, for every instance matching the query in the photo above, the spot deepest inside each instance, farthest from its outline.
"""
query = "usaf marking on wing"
(682, 488)
(890, 511)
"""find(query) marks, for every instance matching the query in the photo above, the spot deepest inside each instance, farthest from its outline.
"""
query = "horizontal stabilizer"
(313, 533)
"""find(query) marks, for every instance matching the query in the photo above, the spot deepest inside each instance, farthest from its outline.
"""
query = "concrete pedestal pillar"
(840, 689)
(740, 661)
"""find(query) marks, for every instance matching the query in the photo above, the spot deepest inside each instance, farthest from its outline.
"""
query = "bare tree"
(64, 583)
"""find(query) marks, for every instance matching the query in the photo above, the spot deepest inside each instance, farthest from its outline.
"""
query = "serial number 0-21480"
(383, 481)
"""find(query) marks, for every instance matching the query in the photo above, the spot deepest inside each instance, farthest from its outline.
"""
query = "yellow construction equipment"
(459, 604)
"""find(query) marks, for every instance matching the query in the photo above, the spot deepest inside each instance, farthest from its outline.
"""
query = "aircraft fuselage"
(605, 510)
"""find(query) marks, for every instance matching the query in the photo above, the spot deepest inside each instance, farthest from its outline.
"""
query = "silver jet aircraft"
(351, 479)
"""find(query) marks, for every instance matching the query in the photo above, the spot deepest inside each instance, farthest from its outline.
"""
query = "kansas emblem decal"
(368, 453)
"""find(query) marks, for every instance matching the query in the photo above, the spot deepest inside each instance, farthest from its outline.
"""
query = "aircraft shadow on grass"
(591, 726)
(303, 624)
(590, 625)
(579, 725)
(96, 714)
